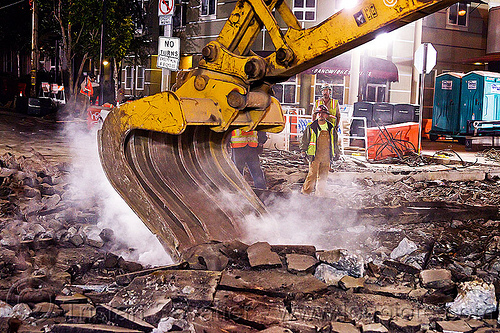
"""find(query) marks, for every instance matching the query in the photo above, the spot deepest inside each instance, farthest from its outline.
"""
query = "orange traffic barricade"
(392, 140)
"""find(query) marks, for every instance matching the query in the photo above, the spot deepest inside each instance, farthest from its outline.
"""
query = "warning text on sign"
(169, 53)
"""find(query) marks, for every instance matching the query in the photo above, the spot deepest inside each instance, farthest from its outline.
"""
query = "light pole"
(34, 46)
(101, 54)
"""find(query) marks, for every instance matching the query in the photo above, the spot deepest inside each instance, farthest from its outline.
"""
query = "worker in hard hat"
(318, 145)
(246, 148)
(333, 108)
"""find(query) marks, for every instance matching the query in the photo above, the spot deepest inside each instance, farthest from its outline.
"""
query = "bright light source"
(105, 62)
(384, 38)
(478, 63)
(347, 4)
(462, 12)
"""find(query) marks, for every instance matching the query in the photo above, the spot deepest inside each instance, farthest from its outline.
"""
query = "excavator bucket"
(178, 178)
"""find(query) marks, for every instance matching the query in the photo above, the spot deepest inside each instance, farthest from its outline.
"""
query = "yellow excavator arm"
(166, 154)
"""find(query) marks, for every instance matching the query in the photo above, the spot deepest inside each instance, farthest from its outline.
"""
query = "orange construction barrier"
(392, 140)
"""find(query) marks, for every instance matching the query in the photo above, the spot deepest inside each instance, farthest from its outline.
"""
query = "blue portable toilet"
(480, 98)
(446, 107)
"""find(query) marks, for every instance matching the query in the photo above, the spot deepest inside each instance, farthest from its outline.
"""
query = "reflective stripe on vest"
(240, 139)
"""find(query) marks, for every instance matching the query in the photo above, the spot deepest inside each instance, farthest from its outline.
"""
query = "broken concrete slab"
(276, 329)
(436, 278)
(342, 260)
(260, 255)
(211, 323)
(336, 327)
(282, 250)
(406, 326)
(71, 299)
(402, 267)
(488, 330)
(374, 328)
(404, 247)
(193, 286)
(46, 310)
(328, 274)
(475, 323)
(475, 298)
(391, 290)
(206, 256)
(258, 311)
(348, 282)
(122, 318)
(299, 326)
(125, 279)
(455, 326)
(300, 262)
(78, 313)
(272, 282)
(90, 328)
(161, 308)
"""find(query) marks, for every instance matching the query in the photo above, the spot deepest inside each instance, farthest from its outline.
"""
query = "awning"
(375, 68)
(486, 58)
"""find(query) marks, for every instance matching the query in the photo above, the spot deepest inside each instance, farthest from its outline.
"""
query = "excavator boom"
(166, 154)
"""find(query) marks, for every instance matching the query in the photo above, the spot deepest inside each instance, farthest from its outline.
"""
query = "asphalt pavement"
(48, 135)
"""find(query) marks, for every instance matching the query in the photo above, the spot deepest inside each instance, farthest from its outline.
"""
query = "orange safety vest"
(240, 139)
(333, 108)
(88, 90)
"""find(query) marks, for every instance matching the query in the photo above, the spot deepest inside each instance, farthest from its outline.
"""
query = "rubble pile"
(59, 272)
(397, 186)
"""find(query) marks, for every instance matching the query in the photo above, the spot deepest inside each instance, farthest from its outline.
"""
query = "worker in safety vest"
(318, 144)
(246, 147)
(334, 110)
(86, 93)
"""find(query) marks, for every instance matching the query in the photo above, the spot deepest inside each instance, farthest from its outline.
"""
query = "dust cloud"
(306, 220)
(90, 187)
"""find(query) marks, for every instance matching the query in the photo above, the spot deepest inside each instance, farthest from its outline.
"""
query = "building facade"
(381, 70)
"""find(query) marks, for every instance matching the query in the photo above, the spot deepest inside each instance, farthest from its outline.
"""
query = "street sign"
(169, 53)
(428, 54)
(165, 7)
(165, 19)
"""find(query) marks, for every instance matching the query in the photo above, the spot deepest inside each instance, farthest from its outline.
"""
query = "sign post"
(165, 13)
(425, 60)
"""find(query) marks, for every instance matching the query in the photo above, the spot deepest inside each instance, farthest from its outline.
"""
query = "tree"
(78, 23)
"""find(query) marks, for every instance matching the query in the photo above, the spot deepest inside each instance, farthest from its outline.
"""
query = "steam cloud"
(301, 220)
(91, 187)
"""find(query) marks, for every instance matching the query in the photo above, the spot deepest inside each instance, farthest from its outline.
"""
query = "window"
(285, 92)
(375, 92)
(458, 15)
(335, 82)
(208, 7)
(129, 77)
(179, 19)
(139, 80)
(304, 10)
